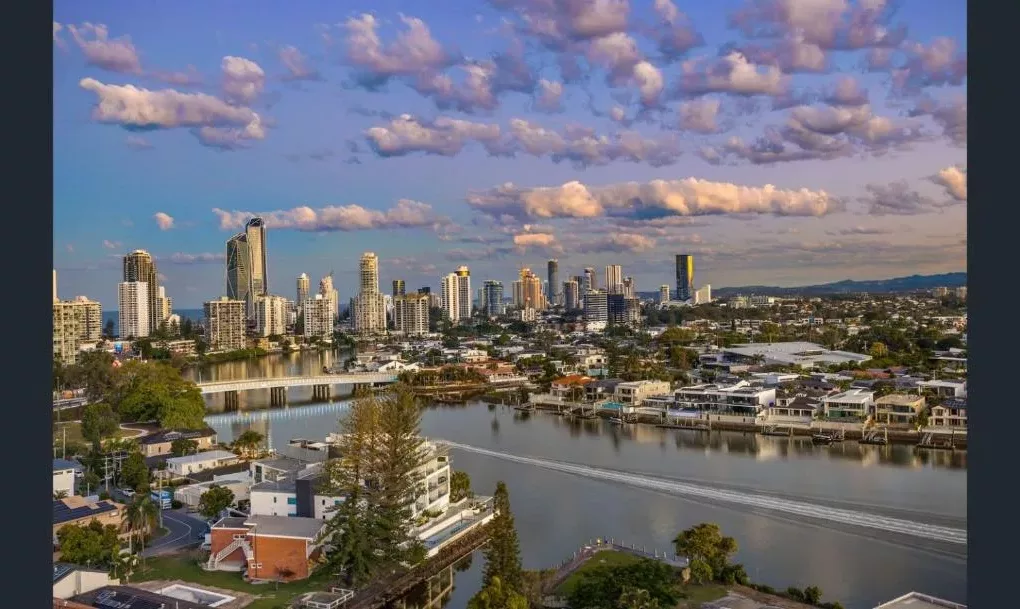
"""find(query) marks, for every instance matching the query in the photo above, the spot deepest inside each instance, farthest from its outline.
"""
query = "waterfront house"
(601, 389)
(267, 547)
(897, 409)
(295, 495)
(633, 393)
(570, 388)
(851, 405)
(740, 398)
(65, 475)
(950, 414)
(160, 442)
(945, 389)
(190, 464)
(800, 407)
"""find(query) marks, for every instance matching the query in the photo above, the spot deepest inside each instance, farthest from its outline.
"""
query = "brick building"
(267, 547)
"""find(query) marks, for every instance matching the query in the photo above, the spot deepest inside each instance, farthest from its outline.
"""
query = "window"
(291, 500)
(274, 499)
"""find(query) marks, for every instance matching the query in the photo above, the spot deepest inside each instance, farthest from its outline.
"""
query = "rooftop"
(286, 526)
(126, 597)
(169, 435)
(283, 485)
(899, 399)
(916, 600)
(284, 463)
(63, 464)
(853, 395)
(70, 509)
(210, 455)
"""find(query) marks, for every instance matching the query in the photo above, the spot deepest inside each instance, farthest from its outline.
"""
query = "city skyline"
(602, 138)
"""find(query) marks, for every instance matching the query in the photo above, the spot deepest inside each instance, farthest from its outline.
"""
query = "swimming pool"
(447, 532)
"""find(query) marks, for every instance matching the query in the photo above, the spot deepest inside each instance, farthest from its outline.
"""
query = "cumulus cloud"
(296, 64)
(791, 55)
(676, 35)
(443, 136)
(203, 258)
(936, 64)
(733, 74)
(699, 115)
(115, 55)
(163, 220)
(829, 24)
(543, 241)
(243, 79)
(847, 92)
(214, 122)
(413, 52)
(549, 96)
(405, 214)
(57, 40)
(624, 63)
(951, 116)
(655, 199)
(136, 142)
(619, 243)
(897, 198)
(560, 22)
(954, 180)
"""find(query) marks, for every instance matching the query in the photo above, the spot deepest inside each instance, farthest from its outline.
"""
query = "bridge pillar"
(231, 400)
(320, 392)
(278, 396)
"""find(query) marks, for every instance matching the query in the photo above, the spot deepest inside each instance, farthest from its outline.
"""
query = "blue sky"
(781, 142)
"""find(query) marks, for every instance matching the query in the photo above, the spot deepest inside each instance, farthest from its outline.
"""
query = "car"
(127, 492)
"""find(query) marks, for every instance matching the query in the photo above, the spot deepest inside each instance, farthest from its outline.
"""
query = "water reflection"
(436, 591)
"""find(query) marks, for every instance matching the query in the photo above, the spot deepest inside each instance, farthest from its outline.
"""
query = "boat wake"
(785, 507)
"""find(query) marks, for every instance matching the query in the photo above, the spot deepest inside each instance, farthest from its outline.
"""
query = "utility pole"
(63, 453)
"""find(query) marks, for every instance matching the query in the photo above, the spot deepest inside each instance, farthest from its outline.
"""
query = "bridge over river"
(321, 385)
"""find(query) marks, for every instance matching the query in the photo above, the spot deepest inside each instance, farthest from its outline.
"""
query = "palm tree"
(142, 515)
(57, 495)
(124, 565)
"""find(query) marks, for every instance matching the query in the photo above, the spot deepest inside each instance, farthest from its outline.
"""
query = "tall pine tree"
(399, 453)
(354, 552)
(503, 553)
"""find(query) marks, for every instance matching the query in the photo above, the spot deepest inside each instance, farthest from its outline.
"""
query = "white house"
(64, 473)
(294, 496)
(740, 398)
(855, 404)
(199, 462)
(633, 393)
(191, 495)
(71, 580)
(945, 389)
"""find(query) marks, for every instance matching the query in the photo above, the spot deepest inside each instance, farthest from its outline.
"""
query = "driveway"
(185, 531)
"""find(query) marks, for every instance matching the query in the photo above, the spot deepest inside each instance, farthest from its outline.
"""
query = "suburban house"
(71, 580)
(199, 462)
(295, 495)
(569, 388)
(950, 414)
(945, 389)
(601, 389)
(191, 495)
(159, 443)
(800, 407)
(851, 405)
(77, 510)
(632, 393)
(65, 474)
(898, 409)
(267, 547)
(741, 398)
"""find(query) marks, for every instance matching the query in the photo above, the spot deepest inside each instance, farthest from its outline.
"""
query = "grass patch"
(74, 433)
(696, 594)
(608, 558)
(186, 569)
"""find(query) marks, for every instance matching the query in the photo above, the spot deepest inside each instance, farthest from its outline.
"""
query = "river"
(842, 517)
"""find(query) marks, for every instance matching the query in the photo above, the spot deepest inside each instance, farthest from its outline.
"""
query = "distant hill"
(847, 286)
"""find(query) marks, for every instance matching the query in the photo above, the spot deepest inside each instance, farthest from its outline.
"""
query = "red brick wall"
(276, 553)
(221, 538)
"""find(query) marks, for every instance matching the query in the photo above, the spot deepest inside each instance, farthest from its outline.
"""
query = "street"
(184, 531)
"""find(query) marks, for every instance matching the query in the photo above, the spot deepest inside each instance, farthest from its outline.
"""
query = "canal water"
(841, 541)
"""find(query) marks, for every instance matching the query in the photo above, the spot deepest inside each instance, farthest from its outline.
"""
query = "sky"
(780, 142)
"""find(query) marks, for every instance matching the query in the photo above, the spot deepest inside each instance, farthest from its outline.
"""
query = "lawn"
(186, 569)
(696, 594)
(609, 558)
(74, 433)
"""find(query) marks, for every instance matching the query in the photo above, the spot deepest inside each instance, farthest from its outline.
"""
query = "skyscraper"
(464, 291)
(664, 292)
(591, 282)
(304, 286)
(596, 310)
(411, 314)
(629, 288)
(139, 266)
(166, 307)
(493, 293)
(684, 277)
(75, 323)
(571, 295)
(133, 309)
(271, 315)
(246, 265)
(369, 305)
(225, 324)
(528, 291)
(450, 297)
(398, 288)
(554, 294)
(614, 279)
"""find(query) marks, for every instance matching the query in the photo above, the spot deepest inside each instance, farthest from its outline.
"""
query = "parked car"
(127, 492)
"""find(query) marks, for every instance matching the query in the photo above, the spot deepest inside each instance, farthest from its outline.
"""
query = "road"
(185, 531)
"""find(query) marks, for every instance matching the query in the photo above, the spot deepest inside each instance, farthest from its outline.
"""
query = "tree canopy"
(706, 543)
(93, 544)
(98, 421)
(497, 595)
(215, 500)
(503, 552)
(605, 586)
